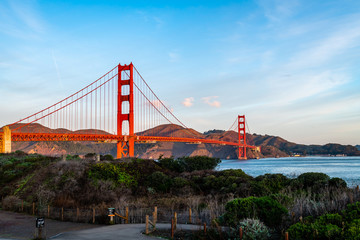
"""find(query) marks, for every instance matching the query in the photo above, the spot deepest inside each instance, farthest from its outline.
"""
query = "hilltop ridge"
(271, 146)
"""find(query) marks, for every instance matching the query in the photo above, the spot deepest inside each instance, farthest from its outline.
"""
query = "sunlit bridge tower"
(242, 137)
(125, 113)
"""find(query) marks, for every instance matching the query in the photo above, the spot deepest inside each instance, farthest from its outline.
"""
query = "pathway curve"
(20, 226)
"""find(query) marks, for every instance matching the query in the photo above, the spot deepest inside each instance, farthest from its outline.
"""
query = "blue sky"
(292, 67)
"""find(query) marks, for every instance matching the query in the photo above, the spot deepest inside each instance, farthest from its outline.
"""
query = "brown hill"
(271, 146)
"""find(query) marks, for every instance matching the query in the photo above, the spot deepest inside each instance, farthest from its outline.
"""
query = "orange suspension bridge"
(118, 107)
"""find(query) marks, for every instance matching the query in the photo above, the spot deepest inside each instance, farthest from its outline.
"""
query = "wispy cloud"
(276, 10)
(211, 102)
(188, 102)
(20, 19)
(26, 13)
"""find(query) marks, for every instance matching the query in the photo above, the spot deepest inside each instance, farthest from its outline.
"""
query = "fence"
(99, 215)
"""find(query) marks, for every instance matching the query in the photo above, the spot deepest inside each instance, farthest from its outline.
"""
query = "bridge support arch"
(126, 147)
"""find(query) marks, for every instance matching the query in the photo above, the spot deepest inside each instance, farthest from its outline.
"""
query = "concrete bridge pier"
(5, 140)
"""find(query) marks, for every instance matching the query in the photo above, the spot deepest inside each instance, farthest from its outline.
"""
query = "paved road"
(19, 226)
(120, 231)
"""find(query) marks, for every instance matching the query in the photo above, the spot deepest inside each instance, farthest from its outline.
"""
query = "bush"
(115, 173)
(159, 181)
(107, 157)
(300, 231)
(171, 164)
(313, 179)
(269, 184)
(330, 226)
(179, 182)
(199, 163)
(353, 231)
(253, 229)
(189, 164)
(352, 211)
(337, 182)
(268, 210)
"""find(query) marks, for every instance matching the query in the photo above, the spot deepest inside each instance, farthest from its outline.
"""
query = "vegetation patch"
(114, 172)
(345, 225)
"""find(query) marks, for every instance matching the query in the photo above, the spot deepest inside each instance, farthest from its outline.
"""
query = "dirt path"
(20, 226)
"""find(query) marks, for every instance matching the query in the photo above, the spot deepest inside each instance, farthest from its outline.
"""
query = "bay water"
(347, 168)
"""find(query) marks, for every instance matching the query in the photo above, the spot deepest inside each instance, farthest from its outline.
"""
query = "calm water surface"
(347, 168)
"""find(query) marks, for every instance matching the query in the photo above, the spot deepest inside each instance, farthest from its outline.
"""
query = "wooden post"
(127, 215)
(48, 211)
(147, 225)
(241, 233)
(155, 215)
(22, 206)
(33, 210)
(40, 233)
(172, 228)
(190, 215)
(286, 236)
(77, 214)
(93, 215)
(62, 214)
(205, 228)
(154, 220)
(175, 220)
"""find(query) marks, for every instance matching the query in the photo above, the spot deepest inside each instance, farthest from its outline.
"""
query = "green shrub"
(269, 184)
(268, 210)
(334, 219)
(312, 179)
(300, 231)
(189, 164)
(107, 157)
(352, 211)
(172, 164)
(179, 182)
(337, 182)
(329, 226)
(315, 231)
(353, 230)
(115, 173)
(253, 229)
(199, 163)
(159, 181)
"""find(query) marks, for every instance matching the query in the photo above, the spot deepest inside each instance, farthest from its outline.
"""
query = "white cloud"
(188, 102)
(27, 15)
(211, 102)
(278, 10)
(21, 19)
(328, 48)
(156, 103)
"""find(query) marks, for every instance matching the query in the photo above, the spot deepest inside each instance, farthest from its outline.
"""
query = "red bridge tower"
(125, 148)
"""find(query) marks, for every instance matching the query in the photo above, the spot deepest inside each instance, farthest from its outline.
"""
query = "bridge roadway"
(20, 137)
